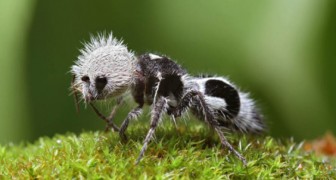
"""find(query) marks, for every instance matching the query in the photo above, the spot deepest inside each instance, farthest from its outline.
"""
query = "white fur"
(159, 76)
(246, 117)
(154, 56)
(105, 56)
(172, 100)
(215, 102)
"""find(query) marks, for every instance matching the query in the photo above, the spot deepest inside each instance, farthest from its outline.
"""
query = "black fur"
(223, 90)
(149, 70)
(100, 83)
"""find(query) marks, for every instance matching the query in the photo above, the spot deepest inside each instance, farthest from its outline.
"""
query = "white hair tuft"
(105, 56)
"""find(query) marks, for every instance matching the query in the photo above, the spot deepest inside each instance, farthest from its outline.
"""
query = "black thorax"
(153, 71)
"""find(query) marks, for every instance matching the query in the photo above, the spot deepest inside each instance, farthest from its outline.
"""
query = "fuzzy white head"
(104, 68)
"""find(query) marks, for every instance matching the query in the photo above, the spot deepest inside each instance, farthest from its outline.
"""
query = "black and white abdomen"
(231, 108)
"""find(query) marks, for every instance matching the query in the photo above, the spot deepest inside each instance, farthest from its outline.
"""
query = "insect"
(107, 69)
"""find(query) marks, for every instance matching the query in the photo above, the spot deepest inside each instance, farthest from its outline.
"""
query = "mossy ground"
(184, 153)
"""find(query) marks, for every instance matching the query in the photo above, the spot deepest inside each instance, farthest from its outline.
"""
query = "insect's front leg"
(109, 120)
(135, 113)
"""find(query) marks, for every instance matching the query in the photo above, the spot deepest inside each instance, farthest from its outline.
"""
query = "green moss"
(186, 153)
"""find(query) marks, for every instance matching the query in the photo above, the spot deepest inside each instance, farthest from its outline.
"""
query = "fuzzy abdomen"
(232, 109)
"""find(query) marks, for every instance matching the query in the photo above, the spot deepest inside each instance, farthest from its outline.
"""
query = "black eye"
(85, 79)
(101, 83)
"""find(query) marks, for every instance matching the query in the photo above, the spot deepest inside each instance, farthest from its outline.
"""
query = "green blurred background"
(283, 52)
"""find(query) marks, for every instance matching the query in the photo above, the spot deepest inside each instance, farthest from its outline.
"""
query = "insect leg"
(208, 117)
(159, 107)
(225, 143)
(214, 124)
(136, 112)
(108, 121)
(184, 104)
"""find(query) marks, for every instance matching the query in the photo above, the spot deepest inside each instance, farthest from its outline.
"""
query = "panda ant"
(107, 69)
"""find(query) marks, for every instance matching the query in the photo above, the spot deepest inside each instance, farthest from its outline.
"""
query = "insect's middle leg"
(159, 108)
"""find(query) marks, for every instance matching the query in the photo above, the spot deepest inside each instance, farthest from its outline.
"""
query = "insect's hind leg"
(225, 143)
(208, 116)
(159, 108)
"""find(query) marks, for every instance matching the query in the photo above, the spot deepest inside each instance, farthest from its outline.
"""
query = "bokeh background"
(283, 52)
